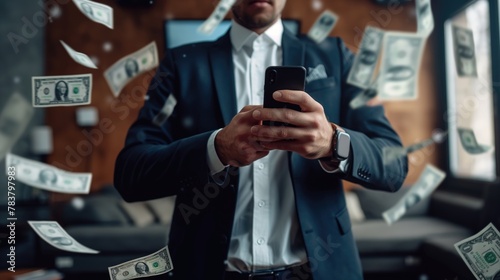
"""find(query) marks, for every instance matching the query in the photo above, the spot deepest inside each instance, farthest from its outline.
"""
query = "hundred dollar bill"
(469, 142)
(14, 119)
(428, 181)
(55, 235)
(481, 253)
(166, 111)
(361, 73)
(390, 154)
(53, 91)
(150, 265)
(48, 177)
(97, 12)
(216, 17)
(323, 26)
(400, 66)
(465, 52)
(79, 57)
(425, 19)
(130, 66)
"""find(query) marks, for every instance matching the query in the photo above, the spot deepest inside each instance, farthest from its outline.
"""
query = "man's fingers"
(289, 116)
(266, 133)
(250, 108)
(301, 98)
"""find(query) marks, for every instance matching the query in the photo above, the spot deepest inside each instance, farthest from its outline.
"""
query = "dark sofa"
(421, 243)
(121, 231)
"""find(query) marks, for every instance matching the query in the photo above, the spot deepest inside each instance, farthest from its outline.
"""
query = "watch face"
(343, 145)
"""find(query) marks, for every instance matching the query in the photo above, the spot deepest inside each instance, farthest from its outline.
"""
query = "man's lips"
(260, 2)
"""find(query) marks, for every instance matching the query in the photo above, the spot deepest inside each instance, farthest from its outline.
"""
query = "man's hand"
(235, 144)
(312, 135)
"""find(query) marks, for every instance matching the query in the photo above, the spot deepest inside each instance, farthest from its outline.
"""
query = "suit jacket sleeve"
(370, 132)
(156, 161)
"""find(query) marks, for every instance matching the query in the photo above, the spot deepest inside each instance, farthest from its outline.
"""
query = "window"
(470, 94)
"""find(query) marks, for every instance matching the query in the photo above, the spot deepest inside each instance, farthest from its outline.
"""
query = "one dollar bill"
(425, 18)
(390, 154)
(211, 23)
(469, 142)
(400, 66)
(53, 91)
(481, 253)
(55, 235)
(47, 177)
(362, 70)
(131, 66)
(14, 119)
(79, 57)
(465, 52)
(150, 265)
(97, 12)
(428, 181)
(323, 26)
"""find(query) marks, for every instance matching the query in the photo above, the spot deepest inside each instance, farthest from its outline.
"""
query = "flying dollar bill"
(53, 91)
(97, 12)
(390, 154)
(48, 177)
(481, 253)
(14, 119)
(366, 95)
(428, 181)
(55, 235)
(362, 70)
(166, 111)
(323, 26)
(425, 19)
(469, 142)
(150, 265)
(400, 66)
(79, 57)
(209, 25)
(465, 52)
(130, 66)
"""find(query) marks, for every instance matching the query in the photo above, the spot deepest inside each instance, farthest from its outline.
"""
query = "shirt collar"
(241, 36)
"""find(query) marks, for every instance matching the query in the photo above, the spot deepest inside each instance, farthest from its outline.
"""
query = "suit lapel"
(293, 50)
(221, 62)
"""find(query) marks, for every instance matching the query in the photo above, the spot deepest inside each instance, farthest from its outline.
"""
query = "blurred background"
(73, 138)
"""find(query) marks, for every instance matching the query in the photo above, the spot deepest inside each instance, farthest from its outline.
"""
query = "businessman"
(256, 201)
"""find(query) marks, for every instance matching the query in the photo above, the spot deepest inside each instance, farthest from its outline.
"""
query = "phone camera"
(272, 76)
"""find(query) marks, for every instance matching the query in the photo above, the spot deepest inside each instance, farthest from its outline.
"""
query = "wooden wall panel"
(136, 27)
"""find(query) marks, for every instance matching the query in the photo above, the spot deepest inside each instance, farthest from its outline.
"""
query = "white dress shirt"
(266, 233)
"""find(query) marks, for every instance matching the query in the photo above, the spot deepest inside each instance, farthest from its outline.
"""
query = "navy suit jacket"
(170, 159)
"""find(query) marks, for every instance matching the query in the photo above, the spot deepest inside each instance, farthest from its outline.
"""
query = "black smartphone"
(278, 78)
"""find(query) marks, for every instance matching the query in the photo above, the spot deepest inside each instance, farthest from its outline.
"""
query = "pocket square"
(316, 73)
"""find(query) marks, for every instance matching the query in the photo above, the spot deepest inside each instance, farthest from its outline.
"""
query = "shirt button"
(260, 241)
(261, 203)
(261, 166)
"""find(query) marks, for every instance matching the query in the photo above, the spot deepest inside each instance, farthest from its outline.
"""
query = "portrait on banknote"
(87, 9)
(131, 68)
(142, 268)
(61, 91)
(47, 177)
